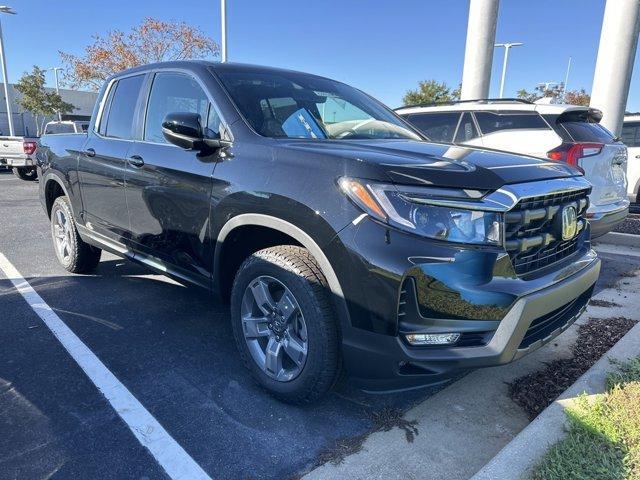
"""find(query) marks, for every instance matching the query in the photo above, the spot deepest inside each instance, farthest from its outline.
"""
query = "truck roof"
(216, 66)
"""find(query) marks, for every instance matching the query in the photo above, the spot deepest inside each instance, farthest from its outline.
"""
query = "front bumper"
(18, 162)
(605, 218)
(396, 283)
(387, 363)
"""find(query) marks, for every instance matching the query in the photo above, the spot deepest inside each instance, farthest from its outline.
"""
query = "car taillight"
(29, 147)
(572, 152)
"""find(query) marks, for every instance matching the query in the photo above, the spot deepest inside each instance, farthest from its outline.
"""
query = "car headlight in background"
(413, 209)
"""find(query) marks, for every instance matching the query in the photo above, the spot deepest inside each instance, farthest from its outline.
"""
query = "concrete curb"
(615, 238)
(523, 452)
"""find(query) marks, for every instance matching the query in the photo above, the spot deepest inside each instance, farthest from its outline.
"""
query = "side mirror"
(183, 129)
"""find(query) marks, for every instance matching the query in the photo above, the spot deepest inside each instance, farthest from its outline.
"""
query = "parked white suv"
(631, 138)
(566, 133)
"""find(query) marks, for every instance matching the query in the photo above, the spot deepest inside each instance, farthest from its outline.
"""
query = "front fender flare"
(299, 235)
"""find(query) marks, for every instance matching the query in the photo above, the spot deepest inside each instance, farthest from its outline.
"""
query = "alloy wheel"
(62, 235)
(274, 328)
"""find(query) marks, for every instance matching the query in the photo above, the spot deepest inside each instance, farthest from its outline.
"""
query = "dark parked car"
(342, 239)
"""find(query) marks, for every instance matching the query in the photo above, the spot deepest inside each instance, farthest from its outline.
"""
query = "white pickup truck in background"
(19, 154)
(66, 126)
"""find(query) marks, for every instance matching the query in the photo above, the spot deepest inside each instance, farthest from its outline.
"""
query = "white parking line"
(167, 452)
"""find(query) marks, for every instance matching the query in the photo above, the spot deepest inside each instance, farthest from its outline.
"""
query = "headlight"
(412, 209)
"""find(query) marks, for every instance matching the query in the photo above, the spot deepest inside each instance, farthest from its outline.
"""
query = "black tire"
(296, 268)
(26, 173)
(82, 257)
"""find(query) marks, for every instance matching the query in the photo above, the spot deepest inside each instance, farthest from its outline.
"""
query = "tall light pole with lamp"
(507, 47)
(10, 11)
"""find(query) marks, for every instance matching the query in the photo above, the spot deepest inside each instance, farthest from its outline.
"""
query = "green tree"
(577, 97)
(571, 97)
(431, 91)
(38, 100)
(150, 41)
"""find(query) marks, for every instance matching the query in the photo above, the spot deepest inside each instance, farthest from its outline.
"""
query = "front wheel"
(73, 253)
(284, 324)
(25, 173)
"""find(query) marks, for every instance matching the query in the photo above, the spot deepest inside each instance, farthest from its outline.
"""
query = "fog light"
(432, 338)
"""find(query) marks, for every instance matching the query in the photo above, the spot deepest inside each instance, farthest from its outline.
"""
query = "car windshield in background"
(294, 105)
(631, 134)
(55, 128)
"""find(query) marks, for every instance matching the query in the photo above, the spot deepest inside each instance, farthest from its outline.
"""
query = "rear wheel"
(284, 324)
(72, 252)
(25, 173)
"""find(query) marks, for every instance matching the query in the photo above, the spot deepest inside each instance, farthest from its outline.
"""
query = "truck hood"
(421, 163)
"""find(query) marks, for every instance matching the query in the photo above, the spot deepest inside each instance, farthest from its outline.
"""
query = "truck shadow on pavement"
(172, 346)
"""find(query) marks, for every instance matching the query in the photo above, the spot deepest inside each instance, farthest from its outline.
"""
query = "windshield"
(295, 105)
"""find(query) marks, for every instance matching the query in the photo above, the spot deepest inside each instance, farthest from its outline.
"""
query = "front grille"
(533, 230)
(545, 325)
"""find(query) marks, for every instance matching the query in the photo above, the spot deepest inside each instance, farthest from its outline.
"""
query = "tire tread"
(84, 257)
(300, 261)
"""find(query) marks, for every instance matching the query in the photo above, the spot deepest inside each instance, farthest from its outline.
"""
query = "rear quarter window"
(588, 132)
(490, 122)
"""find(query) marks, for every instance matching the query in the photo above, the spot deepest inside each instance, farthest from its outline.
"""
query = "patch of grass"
(603, 440)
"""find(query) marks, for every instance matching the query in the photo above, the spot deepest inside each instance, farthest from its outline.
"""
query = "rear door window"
(438, 127)
(631, 134)
(123, 106)
(490, 122)
(467, 130)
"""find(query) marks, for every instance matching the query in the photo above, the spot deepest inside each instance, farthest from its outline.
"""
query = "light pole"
(9, 10)
(223, 28)
(55, 73)
(566, 81)
(507, 47)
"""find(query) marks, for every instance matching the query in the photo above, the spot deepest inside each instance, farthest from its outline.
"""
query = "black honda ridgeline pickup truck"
(342, 238)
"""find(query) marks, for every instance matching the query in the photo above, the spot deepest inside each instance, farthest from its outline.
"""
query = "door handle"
(136, 160)
(637, 156)
(90, 152)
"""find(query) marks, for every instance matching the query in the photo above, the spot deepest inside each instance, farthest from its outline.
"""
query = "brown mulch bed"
(536, 391)
(630, 225)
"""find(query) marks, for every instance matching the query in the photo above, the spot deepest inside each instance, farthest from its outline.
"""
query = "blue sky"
(379, 46)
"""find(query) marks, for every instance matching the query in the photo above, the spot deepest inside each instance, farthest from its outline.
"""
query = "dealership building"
(24, 123)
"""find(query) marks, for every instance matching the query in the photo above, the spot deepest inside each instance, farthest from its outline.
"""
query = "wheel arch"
(292, 231)
(54, 188)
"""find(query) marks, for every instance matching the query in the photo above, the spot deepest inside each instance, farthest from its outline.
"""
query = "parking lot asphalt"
(171, 346)
(173, 349)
